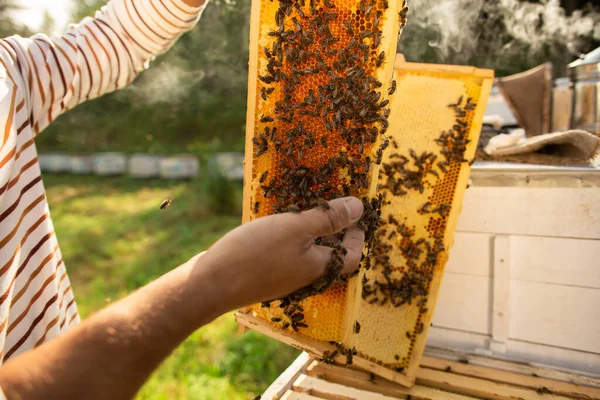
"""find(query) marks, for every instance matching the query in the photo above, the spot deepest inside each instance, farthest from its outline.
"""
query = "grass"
(114, 239)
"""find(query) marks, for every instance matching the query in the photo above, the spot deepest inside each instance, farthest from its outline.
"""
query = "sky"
(33, 12)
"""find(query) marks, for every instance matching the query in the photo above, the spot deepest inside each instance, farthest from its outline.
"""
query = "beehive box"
(318, 128)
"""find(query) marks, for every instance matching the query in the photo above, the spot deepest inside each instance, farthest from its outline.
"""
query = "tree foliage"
(8, 26)
(193, 98)
(508, 36)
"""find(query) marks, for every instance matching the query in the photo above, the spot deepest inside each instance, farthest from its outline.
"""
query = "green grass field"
(115, 239)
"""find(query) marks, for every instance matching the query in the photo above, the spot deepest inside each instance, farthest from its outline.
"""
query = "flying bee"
(166, 203)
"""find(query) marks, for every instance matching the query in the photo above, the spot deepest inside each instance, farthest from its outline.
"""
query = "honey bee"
(166, 203)
(356, 327)
(323, 203)
(380, 59)
(393, 88)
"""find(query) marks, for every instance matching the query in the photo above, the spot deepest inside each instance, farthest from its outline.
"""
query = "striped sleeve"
(97, 56)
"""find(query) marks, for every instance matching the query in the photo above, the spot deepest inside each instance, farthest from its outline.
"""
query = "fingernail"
(355, 208)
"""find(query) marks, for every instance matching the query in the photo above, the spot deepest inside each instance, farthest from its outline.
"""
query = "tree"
(8, 26)
(48, 23)
(509, 36)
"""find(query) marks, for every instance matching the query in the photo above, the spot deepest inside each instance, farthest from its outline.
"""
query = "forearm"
(112, 353)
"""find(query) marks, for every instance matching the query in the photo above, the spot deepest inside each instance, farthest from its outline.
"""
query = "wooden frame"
(406, 378)
(438, 379)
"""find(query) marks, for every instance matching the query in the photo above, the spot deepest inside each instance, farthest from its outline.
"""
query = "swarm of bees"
(405, 173)
(320, 82)
(401, 175)
(322, 127)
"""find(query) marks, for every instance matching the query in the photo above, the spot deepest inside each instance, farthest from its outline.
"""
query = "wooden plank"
(333, 391)
(555, 260)
(291, 395)
(520, 380)
(556, 315)
(318, 348)
(478, 387)
(500, 305)
(456, 70)
(358, 379)
(456, 339)
(364, 381)
(471, 254)
(465, 303)
(520, 367)
(556, 212)
(283, 383)
(579, 362)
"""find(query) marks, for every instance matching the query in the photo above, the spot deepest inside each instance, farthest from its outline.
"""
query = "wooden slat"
(291, 395)
(478, 387)
(333, 391)
(284, 382)
(555, 260)
(470, 254)
(363, 380)
(501, 285)
(556, 212)
(520, 380)
(524, 368)
(562, 316)
(464, 303)
(317, 348)
(580, 365)
(358, 379)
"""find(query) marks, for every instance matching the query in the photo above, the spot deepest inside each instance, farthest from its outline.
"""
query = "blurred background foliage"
(193, 99)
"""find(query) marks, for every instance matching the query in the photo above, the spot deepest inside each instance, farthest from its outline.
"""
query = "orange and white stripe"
(40, 78)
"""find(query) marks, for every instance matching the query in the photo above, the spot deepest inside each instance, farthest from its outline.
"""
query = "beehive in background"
(320, 97)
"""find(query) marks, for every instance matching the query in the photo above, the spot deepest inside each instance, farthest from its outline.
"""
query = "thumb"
(341, 214)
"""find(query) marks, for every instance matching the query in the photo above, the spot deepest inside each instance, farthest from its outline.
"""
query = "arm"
(98, 56)
(110, 355)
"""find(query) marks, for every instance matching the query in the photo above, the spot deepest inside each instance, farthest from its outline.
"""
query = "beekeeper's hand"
(273, 256)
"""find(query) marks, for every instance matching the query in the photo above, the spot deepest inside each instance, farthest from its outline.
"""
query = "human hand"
(274, 256)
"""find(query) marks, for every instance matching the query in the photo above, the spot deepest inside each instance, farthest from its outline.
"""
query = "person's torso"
(36, 300)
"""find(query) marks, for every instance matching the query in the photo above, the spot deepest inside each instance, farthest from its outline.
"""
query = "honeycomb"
(424, 174)
(330, 116)
(320, 78)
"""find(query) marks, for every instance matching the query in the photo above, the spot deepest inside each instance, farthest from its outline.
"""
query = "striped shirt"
(40, 78)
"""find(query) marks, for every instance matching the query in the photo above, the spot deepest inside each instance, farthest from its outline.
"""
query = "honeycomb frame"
(420, 121)
(262, 165)
(347, 310)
